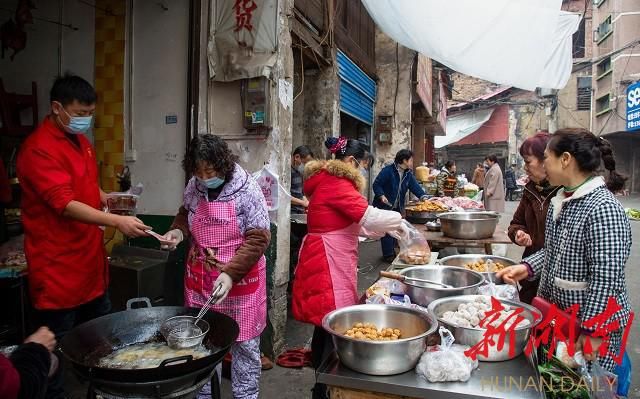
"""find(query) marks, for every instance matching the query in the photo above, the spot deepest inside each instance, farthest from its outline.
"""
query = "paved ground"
(294, 384)
(283, 383)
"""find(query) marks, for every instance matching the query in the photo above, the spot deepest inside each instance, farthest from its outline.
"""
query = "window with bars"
(602, 104)
(584, 93)
(603, 67)
(603, 31)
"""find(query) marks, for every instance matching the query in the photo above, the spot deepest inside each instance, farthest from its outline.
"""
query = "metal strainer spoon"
(191, 329)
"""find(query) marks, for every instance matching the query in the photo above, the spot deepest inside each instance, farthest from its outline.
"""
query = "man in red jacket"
(62, 212)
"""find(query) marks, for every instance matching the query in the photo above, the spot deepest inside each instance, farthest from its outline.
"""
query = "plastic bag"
(269, 183)
(623, 371)
(602, 384)
(385, 287)
(502, 291)
(414, 249)
(446, 362)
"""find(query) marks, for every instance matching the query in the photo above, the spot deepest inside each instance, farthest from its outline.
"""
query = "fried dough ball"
(369, 332)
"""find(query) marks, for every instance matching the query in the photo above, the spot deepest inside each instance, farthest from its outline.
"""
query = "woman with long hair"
(587, 239)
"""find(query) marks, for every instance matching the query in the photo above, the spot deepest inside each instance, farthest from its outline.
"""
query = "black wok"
(87, 343)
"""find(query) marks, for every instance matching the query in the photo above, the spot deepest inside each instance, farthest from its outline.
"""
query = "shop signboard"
(633, 107)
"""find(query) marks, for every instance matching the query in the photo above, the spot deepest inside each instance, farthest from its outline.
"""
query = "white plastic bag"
(502, 291)
(446, 362)
(385, 287)
(414, 248)
(602, 383)
(269, 183)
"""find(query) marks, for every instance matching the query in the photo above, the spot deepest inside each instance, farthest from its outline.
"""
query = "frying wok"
(87, 343)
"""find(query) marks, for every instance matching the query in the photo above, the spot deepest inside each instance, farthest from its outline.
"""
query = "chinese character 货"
(244, 13)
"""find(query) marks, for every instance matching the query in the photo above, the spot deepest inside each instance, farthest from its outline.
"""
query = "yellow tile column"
(109, 84)
(109, 75)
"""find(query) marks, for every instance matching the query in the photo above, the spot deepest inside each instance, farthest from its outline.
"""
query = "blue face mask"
(213, 182)
(78, 124)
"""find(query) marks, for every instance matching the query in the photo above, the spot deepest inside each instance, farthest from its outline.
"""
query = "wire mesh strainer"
(188, 331)
(184, 331)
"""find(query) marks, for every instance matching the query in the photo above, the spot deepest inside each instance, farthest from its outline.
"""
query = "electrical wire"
(395, 97)
(328, 33)
(107, 10)
(585, 64)
(615, 111)
(68, 26)
(570, 111)
(301, 77)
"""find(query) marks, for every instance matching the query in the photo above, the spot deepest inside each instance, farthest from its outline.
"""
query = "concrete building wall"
(568, 114)
(155, 148)
(316, 110)
(393, 68)
(225, 118)
(625, 66)
(624, 70)
(626, 148)
(466, 88)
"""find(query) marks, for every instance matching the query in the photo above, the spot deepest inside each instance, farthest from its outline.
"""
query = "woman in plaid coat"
(587, 239)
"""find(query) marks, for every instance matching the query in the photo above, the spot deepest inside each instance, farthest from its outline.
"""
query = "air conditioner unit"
(542, 92)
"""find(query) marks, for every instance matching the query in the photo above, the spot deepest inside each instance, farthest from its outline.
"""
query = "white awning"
(460, 126)
(521, 43)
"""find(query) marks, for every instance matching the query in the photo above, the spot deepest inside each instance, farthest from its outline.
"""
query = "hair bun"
(330, 142)
(336, 144)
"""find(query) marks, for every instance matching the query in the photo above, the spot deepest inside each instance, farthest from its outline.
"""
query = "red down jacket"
(326, 274)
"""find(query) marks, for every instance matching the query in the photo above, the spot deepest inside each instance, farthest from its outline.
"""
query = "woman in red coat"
(326, 275)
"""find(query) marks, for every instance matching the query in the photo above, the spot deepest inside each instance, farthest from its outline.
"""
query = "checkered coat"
(587, 244)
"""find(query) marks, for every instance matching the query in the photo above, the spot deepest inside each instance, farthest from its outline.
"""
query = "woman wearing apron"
(225, 215)
(326, 274)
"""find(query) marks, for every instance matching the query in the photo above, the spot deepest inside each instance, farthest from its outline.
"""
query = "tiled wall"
(109, 83)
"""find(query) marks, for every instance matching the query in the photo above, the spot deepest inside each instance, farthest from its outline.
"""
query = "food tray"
(122, 203)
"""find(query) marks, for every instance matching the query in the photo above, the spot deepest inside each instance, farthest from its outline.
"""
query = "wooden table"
(437, 240)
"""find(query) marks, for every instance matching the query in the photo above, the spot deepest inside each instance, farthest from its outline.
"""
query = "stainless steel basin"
(471, 336)
(462, 260)
(380, 357)
(464, 282)
(469, 225)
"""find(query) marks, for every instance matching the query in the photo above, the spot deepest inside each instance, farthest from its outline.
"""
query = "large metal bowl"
(462, 260)
(465, 282)
(471, 336)
(380, 357)
(418, 217)
(469, 225)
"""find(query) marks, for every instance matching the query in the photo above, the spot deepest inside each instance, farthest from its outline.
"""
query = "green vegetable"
(633, 213)
(561, 382)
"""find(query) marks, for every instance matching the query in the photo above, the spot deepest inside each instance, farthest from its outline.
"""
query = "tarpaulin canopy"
(521, 43)
(495, 130)
(460, 126)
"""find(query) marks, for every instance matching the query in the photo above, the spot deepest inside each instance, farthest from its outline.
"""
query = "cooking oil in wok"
(147, 355)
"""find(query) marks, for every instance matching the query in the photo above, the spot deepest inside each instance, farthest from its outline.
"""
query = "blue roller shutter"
(357, 90)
